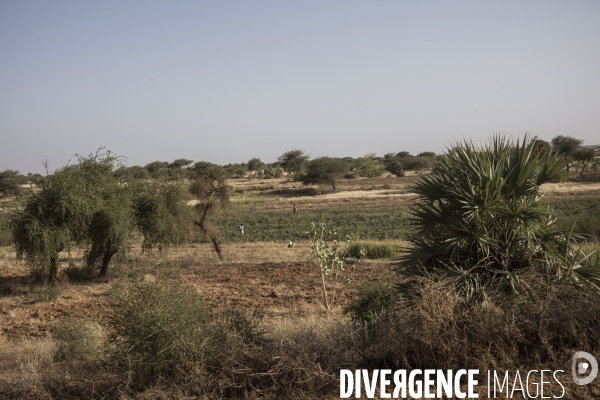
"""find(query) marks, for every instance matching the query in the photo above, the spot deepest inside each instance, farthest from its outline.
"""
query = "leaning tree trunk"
(209, 230)
(105, 260)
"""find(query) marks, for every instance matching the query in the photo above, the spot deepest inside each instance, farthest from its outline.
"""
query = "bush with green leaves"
(86, 206)
(162, 331)
(480, 220)
(59, 215)
(375, 304)
(371, 250)
(369, 166)
(161, 213)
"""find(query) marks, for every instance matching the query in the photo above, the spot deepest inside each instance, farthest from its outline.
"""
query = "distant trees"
(255, 165)
(178, 166)
(236, 170)
(571, 149)
(293, 161)
(369, 166)
(584, 156)
(403, 161)
(566, 146)
(10, 182)
(541, 146)
(157, 169)
(325, 171)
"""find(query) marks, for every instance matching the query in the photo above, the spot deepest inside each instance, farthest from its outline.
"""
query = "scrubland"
(180, 323)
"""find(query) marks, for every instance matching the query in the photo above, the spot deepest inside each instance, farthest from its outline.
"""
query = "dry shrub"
(442, 330)
(77, 339)
(161, 331)
(170, 347)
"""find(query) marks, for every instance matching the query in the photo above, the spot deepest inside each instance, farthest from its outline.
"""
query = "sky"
(225, 81)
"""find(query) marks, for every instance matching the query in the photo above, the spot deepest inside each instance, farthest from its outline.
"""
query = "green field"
(366, 224)
(583, 214)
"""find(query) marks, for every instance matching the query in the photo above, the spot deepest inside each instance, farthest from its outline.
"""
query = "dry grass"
(24, 361)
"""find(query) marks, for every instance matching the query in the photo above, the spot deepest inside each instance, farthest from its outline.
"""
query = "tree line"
(298, 165)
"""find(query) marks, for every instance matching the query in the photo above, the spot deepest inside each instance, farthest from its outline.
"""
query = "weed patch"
(371, 250)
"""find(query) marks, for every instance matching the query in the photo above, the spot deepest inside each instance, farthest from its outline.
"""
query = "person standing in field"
(295, 209)
(242, 229)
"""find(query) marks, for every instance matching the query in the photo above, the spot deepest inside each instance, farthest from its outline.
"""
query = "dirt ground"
(250, 280)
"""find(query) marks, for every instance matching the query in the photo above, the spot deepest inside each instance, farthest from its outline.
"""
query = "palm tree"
(481, 221)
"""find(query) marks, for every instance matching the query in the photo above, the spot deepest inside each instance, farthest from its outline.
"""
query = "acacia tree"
(179, 165)
(255, 164)
(293, 161)
(84, 205)
(59, 215)
(211, 192)
(584, 156)
(566, 146)
(325, 170)
(369, 166)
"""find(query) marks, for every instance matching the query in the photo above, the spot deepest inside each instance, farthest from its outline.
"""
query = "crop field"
(56, 341)
(273, 225)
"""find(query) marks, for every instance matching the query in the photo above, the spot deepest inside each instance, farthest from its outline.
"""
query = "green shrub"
(76, 338)
(374, 304)
(370, 250)
(161, 330)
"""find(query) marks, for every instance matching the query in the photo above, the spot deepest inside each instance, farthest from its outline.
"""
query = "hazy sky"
(224, 81)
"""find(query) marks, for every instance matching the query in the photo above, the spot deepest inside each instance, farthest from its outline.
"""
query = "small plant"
(329, 259)
(374, 304)
(76, 339)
